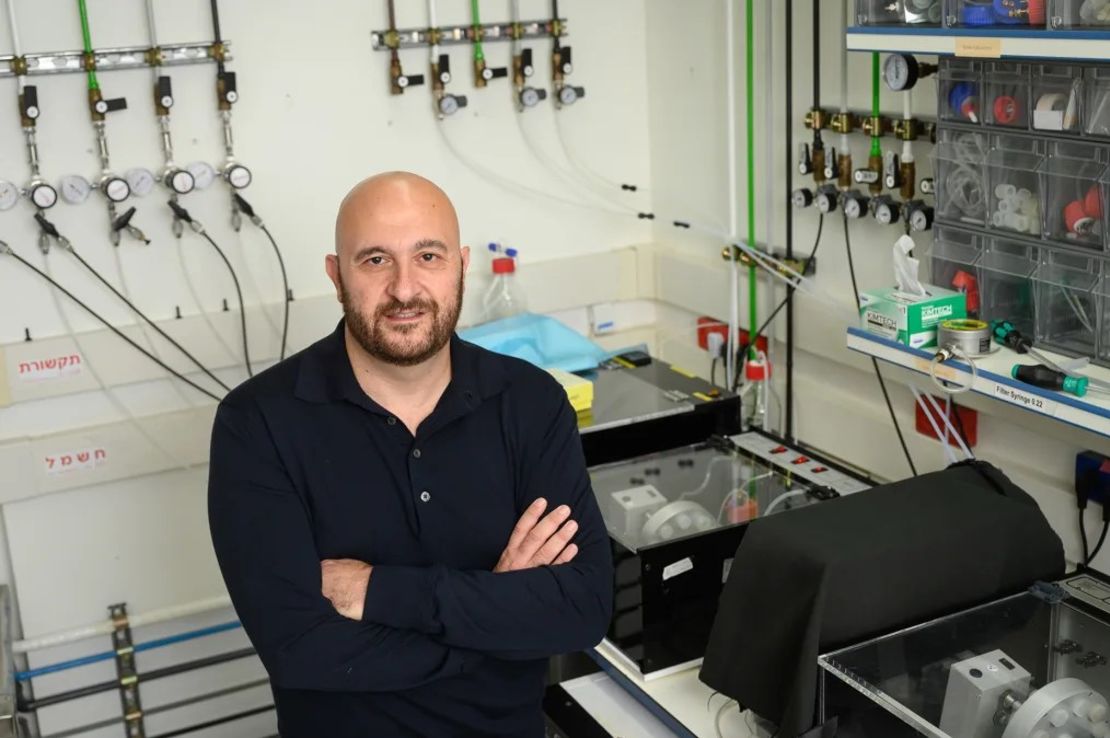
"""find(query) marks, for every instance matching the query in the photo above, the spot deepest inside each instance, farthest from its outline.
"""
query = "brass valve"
(816, 119)
(844, 174)
(909, 180)
(819, 165)
(875, 164)
(876, 125)
(843, 122)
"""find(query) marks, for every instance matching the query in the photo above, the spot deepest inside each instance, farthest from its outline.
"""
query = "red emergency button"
(801, 460)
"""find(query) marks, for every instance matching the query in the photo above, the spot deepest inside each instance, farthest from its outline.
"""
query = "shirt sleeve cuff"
(402, 597)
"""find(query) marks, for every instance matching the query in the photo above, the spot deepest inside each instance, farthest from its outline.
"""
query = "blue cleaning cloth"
(538, 339)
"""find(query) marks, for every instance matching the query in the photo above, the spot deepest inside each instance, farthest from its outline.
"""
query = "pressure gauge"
(855, 204)
(43, 195)
(115, 188)
(530, 97)
(568, 95)
(75, 189)
(9, 195)
(141, 181)
(180, 181)
(900, 71)
(448, 105)
(921, 216)
(827, 199)
(802, 197)
(203, 174)
(238, 176)
(887, 210)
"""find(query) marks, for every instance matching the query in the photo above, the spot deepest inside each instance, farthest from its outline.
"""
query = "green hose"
(753, 323)
(876, 146)
(479, 55)
(93, 84)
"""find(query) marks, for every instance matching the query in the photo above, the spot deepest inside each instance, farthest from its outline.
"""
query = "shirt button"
(416, 453)
(391, 420)
(425, 496)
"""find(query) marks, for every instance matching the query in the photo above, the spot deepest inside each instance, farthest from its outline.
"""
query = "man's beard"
(402, 346)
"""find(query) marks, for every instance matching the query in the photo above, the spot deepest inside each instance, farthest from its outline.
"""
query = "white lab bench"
(627, 705)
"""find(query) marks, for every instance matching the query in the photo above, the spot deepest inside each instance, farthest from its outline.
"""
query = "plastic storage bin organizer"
(1056, 97)
(1096, 100)
(1066, 306)
(1006, 13)
(960, 168)
(1072, 178)
(1013, 184)
(953, 260)
(1005, 291)
(898, 12)
(1078, 13)
(1102, 293)
(960, 85)
(1006, 100)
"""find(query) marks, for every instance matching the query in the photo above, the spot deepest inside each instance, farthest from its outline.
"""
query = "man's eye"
(376, 260)
(429, 257)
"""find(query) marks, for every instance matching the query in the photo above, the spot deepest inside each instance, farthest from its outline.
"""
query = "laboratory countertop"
(679, 701)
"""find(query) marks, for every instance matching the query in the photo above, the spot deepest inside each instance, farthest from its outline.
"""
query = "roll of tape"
(1076, 219)
(1052, 101)
(977, 13)
(1092, 203)
(1006, 109)
(971, 336)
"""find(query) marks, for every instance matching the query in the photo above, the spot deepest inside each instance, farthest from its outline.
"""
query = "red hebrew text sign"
(55, 367)
(79, 460)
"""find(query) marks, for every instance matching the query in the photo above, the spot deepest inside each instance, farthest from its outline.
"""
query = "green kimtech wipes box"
(907, 318)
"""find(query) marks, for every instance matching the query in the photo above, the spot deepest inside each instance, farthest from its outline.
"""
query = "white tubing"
(948, 422)
(432, 24)
(932, 421)
(152, 28)
(770, 189)
(733, 186)
(907, 114)
(105, 627)
(17, 47)
(844, 145)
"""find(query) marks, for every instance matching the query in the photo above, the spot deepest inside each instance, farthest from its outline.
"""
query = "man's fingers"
(554, 545)
(541, 532)
(568, 553)
(527, 521)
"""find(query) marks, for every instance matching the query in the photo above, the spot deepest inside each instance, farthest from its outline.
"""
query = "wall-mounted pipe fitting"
(843, 122)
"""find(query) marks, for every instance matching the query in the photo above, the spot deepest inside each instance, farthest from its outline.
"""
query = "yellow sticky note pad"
(580, 391)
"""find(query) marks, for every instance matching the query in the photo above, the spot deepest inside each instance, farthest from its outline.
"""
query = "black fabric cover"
(833, 574)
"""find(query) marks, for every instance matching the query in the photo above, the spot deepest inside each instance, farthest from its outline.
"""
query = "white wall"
(839, 407)
(315, 116)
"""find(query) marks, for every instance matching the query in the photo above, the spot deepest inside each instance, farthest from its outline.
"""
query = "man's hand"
(537, 542)
(344, 582)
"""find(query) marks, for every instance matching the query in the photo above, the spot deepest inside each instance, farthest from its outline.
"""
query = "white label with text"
(55, 367)
(679, 567)
(84, 459)
(1026, 400)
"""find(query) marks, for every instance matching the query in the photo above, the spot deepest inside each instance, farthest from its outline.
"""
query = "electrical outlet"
(715, 345)
(1092, 476)
(711, 326)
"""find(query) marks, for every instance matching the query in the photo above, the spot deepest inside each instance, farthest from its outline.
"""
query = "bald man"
(404, 520)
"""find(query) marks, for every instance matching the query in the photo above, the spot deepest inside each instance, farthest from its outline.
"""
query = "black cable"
(713, 371)
(218, 721)
(108, 325)
(168, 671)
(816, 53)
(789, 25)
(874, 361)
(284, 293)
(219, 38)
(239, 294)
(785, 302)
(147, 320)
(1101, 540)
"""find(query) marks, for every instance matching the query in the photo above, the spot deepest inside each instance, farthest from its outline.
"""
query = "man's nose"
(403, 286)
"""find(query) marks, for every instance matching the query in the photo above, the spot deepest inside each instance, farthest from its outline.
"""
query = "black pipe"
(789, 425)
(219, 37)
(816, 53)
(217, 721)
(88, 691)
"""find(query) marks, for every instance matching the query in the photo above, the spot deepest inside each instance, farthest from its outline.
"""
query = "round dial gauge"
(43, 196)
(568, 95)
(900, 72)
(854, 207)
(141, 181)
(203, 174)
(448, 105)
(75, 189)
(116, 189)
(180, 181)
(887, 212)
(238, 176)
(921, 219)
(9, 195)
(529, 97)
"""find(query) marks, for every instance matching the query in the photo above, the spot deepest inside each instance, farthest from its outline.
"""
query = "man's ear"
(331, 266)
(465, 258)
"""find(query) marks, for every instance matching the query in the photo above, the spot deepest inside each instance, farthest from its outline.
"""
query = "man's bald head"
(392, 199)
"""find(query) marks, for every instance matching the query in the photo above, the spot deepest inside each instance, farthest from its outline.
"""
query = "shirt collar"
(325, 374)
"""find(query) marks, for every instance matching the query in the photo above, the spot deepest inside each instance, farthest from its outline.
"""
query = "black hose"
(816, 53)
(103, 321)
(874, 361)
(215, 722)
(239, 295)
(1101, 540)
(285, 298)
(219, 38)
(88, 691)
(789, 425)
(148, 321)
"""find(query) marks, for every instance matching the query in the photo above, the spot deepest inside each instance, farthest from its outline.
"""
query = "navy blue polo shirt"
(305, 466)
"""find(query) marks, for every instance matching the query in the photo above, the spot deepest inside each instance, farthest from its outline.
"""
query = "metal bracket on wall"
(106, 60)
(128, 675)
(411, 38)
(809, 265)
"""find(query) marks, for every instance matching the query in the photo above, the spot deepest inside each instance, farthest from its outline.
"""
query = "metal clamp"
(411, 38)
(106, 60)
(844, 122)
(126, 672)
